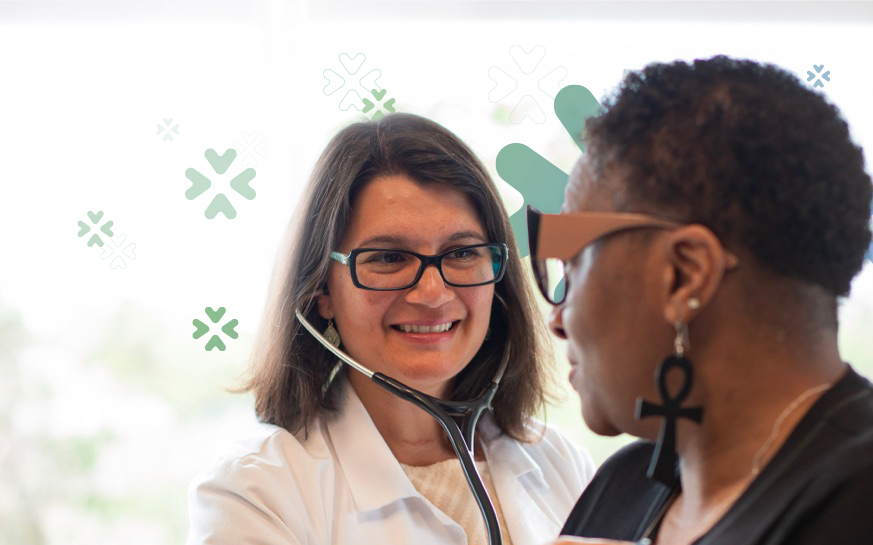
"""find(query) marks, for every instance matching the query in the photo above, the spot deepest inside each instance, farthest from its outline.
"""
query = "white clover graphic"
(121, 251)
(529, 63)
(353, 88)
(249, 148)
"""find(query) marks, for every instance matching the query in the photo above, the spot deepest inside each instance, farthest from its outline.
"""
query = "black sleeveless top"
(817, 489)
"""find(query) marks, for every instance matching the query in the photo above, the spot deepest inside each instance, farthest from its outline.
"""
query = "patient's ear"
(325, 304)
(694, 268)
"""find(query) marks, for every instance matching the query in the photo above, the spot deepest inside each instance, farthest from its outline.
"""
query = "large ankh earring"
(331, 334)
(663, 465)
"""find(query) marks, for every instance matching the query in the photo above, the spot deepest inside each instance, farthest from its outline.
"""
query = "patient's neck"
(744, 389)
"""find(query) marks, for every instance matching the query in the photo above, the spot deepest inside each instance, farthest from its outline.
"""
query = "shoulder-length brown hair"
(291, 372)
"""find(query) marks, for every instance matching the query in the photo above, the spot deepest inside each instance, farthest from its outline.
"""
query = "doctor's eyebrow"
(399, 240)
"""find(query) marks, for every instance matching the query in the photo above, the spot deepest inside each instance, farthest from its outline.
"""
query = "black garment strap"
(815, 444)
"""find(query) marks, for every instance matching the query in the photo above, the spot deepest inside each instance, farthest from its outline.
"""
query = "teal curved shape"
(870, 249)
(574, 104)
(541, 183)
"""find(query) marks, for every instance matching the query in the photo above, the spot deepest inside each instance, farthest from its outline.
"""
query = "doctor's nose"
(431, 290)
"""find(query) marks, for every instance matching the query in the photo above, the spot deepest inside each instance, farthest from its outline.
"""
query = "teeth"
(406, 328)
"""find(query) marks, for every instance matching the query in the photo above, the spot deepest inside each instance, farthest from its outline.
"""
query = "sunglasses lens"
(550, 277)
(560, 291)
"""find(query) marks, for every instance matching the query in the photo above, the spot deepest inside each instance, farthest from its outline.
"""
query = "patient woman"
(708, 235)
(341, 461)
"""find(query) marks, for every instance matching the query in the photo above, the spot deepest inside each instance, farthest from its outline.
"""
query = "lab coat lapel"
(374, 476)
(376, 480)
(520, 486)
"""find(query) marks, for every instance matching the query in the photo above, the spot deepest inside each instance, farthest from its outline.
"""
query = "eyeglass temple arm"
(344, 259)
(533, 224)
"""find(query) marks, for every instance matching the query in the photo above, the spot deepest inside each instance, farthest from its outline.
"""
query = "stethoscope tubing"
(445, 412)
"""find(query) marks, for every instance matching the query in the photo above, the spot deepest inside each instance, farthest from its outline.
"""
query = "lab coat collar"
(506, 455)
(374, 475)
(520, 484)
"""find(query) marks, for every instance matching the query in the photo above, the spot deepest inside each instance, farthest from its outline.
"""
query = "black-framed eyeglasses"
(386, 269)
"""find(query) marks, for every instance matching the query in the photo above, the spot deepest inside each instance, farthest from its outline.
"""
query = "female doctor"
(338, 459)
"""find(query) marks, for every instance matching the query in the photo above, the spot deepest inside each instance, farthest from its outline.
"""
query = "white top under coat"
(343, 486)
(445, 486)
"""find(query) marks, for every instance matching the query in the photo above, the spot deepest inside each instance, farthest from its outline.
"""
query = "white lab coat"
(343, 486)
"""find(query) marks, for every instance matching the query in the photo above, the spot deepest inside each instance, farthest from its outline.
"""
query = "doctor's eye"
(464, 254)
(383, 258)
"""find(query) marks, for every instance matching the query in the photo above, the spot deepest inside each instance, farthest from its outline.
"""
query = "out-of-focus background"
(108, 405)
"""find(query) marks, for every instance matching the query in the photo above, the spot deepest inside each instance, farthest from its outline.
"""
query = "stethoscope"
(448, 414)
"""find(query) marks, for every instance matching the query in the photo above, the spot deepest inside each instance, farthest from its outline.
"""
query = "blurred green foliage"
(69, 486)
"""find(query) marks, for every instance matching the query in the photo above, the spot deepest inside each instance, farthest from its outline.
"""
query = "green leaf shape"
(220, 203)
(220, 163)
(215, 342)
(199, 184)
(228, 329)
(240, 183)
(215, 315)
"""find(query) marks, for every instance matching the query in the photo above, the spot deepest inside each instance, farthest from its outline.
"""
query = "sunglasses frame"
(562, 236)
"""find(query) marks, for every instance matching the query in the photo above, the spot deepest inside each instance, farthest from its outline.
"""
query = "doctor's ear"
(325, 305)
